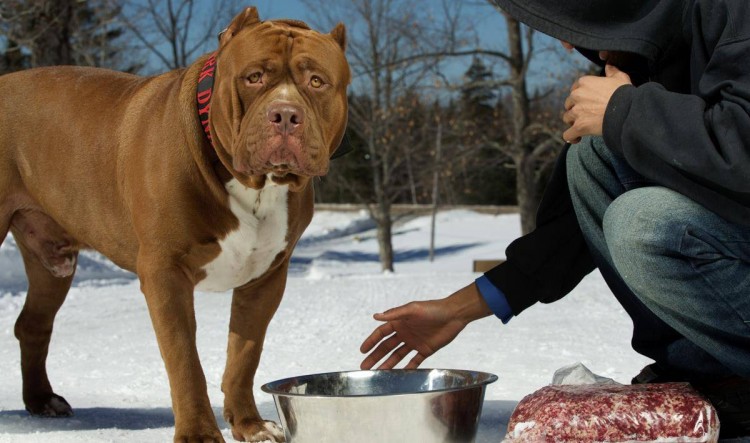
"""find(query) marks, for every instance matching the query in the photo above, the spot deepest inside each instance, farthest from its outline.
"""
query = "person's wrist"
(467, 304)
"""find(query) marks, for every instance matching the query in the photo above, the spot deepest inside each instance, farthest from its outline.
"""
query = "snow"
(104, 359)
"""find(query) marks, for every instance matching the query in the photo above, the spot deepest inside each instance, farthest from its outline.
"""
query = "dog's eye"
(255, 77)
(316, 82)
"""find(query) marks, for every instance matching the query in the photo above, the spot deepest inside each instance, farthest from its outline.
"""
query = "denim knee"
(641, 228)
(581, 162)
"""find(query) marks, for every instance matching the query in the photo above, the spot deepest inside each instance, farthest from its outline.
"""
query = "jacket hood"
(643, 27)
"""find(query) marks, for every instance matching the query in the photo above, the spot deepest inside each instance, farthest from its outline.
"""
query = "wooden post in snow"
(435, 184)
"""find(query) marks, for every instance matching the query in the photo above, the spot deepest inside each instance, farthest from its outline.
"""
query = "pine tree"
(478, 93)
(489, 181)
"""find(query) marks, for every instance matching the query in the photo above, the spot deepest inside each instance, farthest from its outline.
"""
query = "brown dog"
(121, 164)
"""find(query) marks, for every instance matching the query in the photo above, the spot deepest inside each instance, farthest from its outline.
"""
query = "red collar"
(204, 93)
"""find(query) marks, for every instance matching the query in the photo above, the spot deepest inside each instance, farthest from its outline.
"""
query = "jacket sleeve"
(697, 144)
(549, 262)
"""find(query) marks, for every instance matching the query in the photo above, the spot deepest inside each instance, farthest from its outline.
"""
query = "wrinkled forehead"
(282, 40)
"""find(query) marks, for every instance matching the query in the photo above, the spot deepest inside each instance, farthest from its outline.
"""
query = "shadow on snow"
(398, 256)
(492, 424)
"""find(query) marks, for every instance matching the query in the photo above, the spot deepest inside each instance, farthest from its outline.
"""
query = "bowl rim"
(268, 387)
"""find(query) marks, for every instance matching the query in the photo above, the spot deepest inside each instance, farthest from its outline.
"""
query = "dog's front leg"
(252, 309)
(169, 295)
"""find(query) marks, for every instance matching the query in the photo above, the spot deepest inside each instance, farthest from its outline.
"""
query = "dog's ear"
(248, 17)
(339, 35)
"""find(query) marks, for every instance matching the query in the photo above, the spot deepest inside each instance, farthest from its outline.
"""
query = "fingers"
(572, 135)
(576, 84)
(575, 92)
(397, 355)
(394, 359)
(377, 335)
(614, 72)
(381, 351)
(415, 361)
(386, 329)
(398, 313)
(569, 118)
(384, 340)
(569, 105)
(585, 106)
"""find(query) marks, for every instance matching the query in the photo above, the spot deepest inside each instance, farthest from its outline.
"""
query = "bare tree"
(533, 135)
(177, 31)
(531, 146)
(63, 32)
(387, 75)
(396, 52)
(101, 37)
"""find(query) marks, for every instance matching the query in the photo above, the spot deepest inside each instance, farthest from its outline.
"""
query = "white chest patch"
(248, 251)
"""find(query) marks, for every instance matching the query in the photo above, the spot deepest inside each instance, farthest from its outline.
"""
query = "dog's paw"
(258, 431)
(213, 436)
(49, 405)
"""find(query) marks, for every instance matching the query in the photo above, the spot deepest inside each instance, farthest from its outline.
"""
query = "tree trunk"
(385, 235)
(519, 96)
(381, 212)
(436, 185)
(526, 192)
(53, 47)
(412, 183)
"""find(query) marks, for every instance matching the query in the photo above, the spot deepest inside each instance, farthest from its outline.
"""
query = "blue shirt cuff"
(495, 299)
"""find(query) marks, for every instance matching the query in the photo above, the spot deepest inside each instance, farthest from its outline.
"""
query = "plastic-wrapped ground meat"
(669, 412)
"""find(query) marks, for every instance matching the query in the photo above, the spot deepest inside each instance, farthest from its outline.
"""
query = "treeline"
(460, 141)
(419, 134)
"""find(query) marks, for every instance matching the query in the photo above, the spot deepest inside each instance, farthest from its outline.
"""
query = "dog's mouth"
(287, 164)
(295, 182)
(289, 168)
(284, 177)
(286, 167)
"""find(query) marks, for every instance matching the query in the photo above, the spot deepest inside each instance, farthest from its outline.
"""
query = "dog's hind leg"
(34, 329)
(6, 210)
(5, 217)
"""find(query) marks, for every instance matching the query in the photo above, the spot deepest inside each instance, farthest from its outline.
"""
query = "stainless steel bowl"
(402, 406)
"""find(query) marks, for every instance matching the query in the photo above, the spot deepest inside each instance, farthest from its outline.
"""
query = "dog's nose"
(286, 117)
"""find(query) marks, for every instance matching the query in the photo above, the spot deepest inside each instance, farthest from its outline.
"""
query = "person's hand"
(587, 103)
(424, 327)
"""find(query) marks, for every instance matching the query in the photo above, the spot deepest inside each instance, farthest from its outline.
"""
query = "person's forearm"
(468, 304)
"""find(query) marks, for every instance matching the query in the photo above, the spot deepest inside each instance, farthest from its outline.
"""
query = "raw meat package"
(667, 412)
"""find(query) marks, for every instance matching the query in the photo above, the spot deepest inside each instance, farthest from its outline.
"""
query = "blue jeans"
(681, 272)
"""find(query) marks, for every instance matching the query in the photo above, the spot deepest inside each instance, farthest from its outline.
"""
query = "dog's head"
(279, 108)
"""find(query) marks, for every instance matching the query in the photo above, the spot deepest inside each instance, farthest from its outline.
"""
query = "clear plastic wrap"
(668, 412)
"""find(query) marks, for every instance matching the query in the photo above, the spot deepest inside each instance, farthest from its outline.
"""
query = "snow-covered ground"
(104, 359)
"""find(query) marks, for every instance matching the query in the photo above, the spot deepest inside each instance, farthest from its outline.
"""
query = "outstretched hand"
(424, 327)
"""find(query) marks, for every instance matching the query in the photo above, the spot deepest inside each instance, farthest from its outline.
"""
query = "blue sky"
(283, 9)
(489, 26)
(487, 23)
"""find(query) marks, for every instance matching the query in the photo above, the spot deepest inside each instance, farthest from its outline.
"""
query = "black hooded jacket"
(686, 126)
